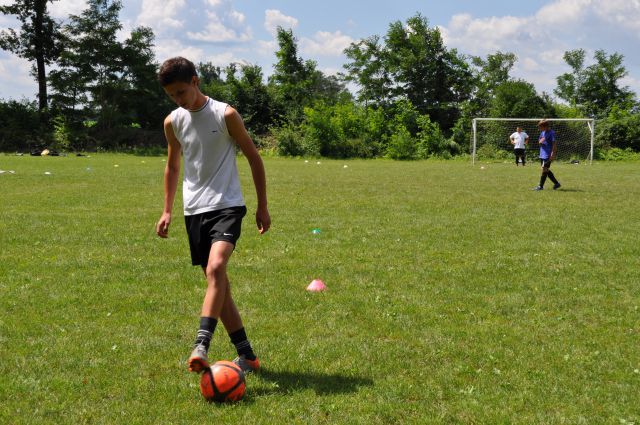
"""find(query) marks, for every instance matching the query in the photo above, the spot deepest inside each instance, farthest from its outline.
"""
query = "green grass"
(456, 295)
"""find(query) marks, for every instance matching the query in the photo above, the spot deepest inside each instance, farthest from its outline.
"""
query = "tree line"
(412, 96)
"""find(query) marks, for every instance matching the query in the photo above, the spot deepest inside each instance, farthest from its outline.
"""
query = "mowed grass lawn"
(455, 295)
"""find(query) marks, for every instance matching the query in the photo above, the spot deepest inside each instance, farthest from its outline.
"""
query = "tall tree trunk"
(40, 6)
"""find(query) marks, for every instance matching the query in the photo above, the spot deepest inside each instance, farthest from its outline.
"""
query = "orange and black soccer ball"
(223, 382)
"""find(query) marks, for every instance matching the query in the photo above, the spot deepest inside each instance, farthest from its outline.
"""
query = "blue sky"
(225, 31)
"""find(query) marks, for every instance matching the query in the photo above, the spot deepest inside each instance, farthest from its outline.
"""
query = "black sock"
(552, 177)
(207, 327)
(242, 344)
(543, 178)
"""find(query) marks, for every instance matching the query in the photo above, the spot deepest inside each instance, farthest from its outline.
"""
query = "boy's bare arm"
(236, 128)
(171, 174)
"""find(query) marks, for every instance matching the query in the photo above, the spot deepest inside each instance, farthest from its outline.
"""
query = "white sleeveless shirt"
(210, 179)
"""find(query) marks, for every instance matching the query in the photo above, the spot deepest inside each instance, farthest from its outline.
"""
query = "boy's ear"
(195, 81)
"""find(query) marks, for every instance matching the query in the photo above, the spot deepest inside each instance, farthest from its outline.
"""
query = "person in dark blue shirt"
(548, 149)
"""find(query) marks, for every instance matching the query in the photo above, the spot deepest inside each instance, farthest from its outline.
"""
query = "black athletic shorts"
(212, 226)
(546, 163)
(519, 152)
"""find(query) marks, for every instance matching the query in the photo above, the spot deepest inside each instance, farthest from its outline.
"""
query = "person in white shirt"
(204, 133)
(519, 140)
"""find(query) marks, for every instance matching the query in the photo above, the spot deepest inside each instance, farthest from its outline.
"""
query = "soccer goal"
(574, 136)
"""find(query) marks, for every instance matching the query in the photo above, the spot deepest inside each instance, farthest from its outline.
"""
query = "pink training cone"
(316, 285)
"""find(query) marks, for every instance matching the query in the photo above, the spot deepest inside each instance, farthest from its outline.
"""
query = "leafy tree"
(21, 129)
(432, 77)
(570, 85)
(621, 129)
(488, 74)
(431, 141)
(413, 63)
(329, 89)
(211, 81)
(38, 39)
(403, 127)
(253, 98)
(518, 99)
(94, 57)
(292, 78)
(246, 92)
(142, 101)
(369, 71)
(595, 89)
(102, 79)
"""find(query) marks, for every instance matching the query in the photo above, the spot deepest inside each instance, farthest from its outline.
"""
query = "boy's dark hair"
(176, 69)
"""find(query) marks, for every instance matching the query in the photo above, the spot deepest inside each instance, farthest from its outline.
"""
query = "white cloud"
(223, 24)
(274, 19)
(63, 8)
(563, 12)
(171, 48)
(529, 64)
(625, 13)
(326, 44)
(479, 35)
(161, 14)
(266, 48)
(217, 32)
(16, 81)
(540, 40)
(237, 17)
(331, 70)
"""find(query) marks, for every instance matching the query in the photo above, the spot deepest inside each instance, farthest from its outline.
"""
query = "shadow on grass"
(322, 384)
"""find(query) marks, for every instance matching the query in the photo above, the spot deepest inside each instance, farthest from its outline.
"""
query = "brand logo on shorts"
(228, 234)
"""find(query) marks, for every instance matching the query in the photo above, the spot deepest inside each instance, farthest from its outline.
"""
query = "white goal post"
(575, 138)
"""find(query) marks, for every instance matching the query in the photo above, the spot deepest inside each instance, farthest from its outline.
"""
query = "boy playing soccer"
(206, 132)
(548, 148)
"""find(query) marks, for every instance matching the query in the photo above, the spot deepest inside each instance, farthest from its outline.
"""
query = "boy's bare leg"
(214, 298)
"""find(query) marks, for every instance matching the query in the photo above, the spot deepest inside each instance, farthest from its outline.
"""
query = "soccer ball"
(223, 382)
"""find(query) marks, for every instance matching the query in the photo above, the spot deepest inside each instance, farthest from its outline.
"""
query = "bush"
(123, 139)
(344, 130)
(289, 140)
(22, 128)
(616, 154)
(621, 129)
(431, 141)
(489, 151)
(401, 145)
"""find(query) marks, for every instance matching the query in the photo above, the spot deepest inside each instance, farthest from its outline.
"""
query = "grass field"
(456, 295)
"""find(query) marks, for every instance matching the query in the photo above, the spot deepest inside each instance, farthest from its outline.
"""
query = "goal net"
(574, 136)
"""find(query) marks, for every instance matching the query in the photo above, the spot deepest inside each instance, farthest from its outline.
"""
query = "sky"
(243, 31)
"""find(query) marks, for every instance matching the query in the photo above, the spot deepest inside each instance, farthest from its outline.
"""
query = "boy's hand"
(162, 228)
(263, 220)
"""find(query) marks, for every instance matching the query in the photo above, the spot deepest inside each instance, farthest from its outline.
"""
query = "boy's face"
(183, 94)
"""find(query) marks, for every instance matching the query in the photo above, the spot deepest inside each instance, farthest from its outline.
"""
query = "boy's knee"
(216, 267)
